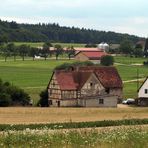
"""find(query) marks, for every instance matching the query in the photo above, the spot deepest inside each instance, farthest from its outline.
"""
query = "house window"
(107, 90)
(50, 102)
(146, 91)
(91, 84)
(50, 92)
(53, 84)
(101, 101)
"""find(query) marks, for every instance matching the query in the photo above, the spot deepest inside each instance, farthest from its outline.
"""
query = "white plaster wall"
(110, 101)
(64, 103)
(68, 103)
(141, 92)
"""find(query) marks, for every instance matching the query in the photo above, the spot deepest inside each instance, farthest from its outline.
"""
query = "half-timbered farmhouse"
(86, 87)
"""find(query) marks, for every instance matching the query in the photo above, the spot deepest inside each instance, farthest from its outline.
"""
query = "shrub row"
(68, 125)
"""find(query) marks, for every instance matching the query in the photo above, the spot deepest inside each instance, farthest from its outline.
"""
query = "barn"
(93, 56)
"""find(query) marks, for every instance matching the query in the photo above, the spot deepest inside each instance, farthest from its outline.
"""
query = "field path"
(134, 80)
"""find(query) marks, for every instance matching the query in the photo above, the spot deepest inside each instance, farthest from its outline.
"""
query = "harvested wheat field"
(26, 115)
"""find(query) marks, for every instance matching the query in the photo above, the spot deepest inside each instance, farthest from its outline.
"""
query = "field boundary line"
(134, 80)
(34, 87)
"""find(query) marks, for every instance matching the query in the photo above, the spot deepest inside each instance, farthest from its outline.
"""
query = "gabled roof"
(92, 55)
(65, 80)
(108, 76)
(142, 84)
(74, 80)
(71, 80)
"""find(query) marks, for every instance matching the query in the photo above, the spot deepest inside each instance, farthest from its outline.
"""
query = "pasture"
(129, 60)
(40, 44)
(26, 115)
(33, 76)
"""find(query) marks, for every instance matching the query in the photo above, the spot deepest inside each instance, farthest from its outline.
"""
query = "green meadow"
(129, 60)
(33, 76)
(40, 44)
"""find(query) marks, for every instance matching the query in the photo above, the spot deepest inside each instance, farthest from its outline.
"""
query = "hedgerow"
(69, 125)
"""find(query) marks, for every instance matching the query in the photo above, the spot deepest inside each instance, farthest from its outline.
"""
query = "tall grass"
(135, 137)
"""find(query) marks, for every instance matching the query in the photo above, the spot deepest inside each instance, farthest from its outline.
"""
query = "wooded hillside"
(54, 32)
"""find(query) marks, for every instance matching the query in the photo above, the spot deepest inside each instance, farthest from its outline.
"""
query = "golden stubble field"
(26, 115)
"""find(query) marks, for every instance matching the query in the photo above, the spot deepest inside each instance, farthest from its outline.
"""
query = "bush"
(43, 102)
(66, 66)
(18, 96)
(107, 60)
(12, 95)
(5, 100)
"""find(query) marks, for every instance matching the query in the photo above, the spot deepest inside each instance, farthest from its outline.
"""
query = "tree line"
(11, 50)
(12, 31)
(129, 49)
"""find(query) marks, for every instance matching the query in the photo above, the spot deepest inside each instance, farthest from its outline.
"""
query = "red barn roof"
(87, 49)
(93, 55)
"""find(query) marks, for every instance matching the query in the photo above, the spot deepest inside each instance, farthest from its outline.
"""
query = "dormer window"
(91, 84)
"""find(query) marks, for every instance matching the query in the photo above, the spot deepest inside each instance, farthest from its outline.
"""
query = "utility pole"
(137, 78)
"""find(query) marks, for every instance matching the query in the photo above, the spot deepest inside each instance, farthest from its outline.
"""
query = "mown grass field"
(40, 44)
(34, 76)
(20, 115)
(129, 60)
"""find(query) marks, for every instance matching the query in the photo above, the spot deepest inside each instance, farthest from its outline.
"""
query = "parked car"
(129, 101)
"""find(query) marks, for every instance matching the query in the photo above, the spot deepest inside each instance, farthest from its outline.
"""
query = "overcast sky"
(125, 16)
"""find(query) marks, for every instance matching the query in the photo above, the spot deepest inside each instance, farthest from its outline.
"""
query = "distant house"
(93, 56)
(141, 43)
(86, 87)
(143, 94)
(144, 45)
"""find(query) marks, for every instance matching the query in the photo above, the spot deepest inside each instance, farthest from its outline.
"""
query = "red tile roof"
(108, 76)
(74, 80)
(93, 55)
(87, 49)
(65, 80)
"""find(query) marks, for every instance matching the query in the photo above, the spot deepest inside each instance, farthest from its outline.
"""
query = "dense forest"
(55, 33)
